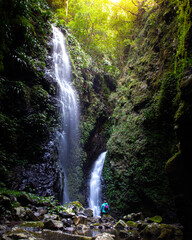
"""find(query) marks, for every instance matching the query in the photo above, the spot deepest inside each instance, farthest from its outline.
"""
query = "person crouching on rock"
(104, 208)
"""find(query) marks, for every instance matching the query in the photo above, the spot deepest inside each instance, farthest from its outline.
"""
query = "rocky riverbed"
(24, 217)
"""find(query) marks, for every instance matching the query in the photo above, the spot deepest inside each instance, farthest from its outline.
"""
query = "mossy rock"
(77, 204)
(120, 225)
(96, 224)
(34, 224)
(157, 219)
(131, 224)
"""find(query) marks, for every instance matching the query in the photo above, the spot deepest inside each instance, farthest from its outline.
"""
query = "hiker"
(104, 207)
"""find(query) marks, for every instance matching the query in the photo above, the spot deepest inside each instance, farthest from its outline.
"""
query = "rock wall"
(147, 125)
(28, 113)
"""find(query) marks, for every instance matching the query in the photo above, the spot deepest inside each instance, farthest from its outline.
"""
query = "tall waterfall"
(95, 185)
(68, 107)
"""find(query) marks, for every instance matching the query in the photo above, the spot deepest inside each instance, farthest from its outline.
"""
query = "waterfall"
(95, 185)
(69, 111)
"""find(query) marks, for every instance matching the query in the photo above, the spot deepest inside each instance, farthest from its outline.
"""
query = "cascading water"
(95, 185)
(69, 110)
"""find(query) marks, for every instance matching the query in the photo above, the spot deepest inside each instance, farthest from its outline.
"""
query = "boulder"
(25, 200)
(5, 202)
(19, 213)
(162, 231)
(104, 236)
(80, 220)
(88, 212)
(70, 229)
(96, 219)
(59, 235)
(3, 229)
(30, 216)
(120, 225)
(40, 213)
(134, 217)
(53, 224)
(130, 234)
(51, 216)
(82, 229)
(66, 215)
(20, 233)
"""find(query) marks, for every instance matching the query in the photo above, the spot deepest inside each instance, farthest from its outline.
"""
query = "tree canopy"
(103, 28)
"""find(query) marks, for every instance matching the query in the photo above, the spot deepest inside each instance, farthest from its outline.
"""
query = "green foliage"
(145, 103)
(39, 199)
(23, 27)
(184, 25)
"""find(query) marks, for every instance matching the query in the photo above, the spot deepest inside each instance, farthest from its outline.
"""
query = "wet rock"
(24, 200)
(80, 220)
(82, 229)
(19, 213)
(88, 212)
(30, 216)
(53, 224)
(141, 225)
(107, 218)
(130, 234)
(3, 229)
(120, 225)
(131, 224)
(19, 233)
(40, 213)
(107, 225)
(95, 219)
(51, 216)
(5, 202)
(58, 235)
(66, 215)
(33, 224)
(162, 231)
(104, 236)
(69, 229)
(134, 217)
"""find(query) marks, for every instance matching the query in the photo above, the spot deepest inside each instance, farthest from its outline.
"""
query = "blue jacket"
(103, 208)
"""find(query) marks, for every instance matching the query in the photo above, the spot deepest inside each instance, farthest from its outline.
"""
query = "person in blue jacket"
(104, 207)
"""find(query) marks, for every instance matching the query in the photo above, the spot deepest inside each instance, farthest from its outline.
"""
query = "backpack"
(106, 208)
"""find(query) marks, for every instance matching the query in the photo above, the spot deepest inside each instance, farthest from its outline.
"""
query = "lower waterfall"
(95, 185)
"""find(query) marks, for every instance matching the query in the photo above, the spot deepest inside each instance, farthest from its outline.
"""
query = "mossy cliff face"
(27, 111)
(145, 104)
(93, 86)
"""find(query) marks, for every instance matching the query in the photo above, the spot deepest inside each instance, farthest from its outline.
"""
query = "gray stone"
(53, 224)
(51, 216)
(88, 212)
(59, 235)
(3, 229)
(80, 220)
(30, 215)
(120, 225)
(5, 201)
(105, 236)
(19, 212)
(82, 229)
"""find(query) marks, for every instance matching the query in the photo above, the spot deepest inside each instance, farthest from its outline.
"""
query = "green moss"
(96, 224)
(172, 163)
(131, 223)
(157, 219)
(33, 224)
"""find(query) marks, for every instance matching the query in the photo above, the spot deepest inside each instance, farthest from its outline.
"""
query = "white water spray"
(68, 107)
(95, 185)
